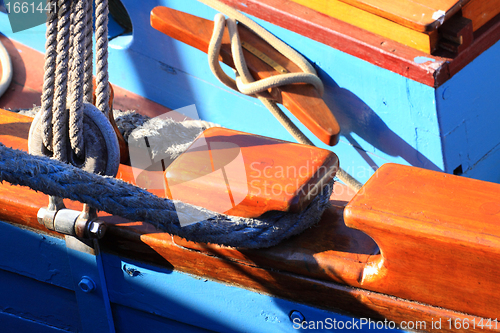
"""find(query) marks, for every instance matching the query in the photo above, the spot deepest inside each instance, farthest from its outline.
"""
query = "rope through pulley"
(69, 128)
(69, 72)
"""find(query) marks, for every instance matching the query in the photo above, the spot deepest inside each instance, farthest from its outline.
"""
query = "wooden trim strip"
(423, 41)
(365, 45)
(415, 14)
(481, 12)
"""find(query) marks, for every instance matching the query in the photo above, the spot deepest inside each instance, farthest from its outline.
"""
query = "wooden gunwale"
(368, 46)
(313, 268)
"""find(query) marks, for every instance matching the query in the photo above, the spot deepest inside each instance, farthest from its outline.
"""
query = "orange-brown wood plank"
(314, 268)
(481, 11)
(420, 15)
(423, 41)
(439, 236)
(246, 175)
(302, 100)
(27, 83)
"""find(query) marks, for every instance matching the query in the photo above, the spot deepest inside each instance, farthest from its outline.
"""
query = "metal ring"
(102, 152)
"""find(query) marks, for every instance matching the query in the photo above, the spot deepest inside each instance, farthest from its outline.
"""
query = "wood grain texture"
(481, 11)
(246, 175)
(365, 45)
(302, 100)
(322, 267)
(439, 237)
(416, 14)
(456, 34)
(422, 41)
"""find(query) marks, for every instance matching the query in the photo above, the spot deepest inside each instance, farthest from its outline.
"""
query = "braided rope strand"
(49, 76)
(59, 116)
(79, 22)
(102, 89)
(88, 54)
(123, 199)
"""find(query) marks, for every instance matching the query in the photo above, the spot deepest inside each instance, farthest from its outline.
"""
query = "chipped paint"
(439, 16)
(421, 60)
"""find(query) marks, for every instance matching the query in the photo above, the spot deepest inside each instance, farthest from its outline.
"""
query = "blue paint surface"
(201, 302)
(384, 117)
(142, 296)
(421, 60)
(469, 117)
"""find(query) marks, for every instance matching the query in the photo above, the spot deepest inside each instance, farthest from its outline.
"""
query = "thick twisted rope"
(49, 76)
(69, 51)
(79, 34)
(59, 115)
(102, 89)
(244, 82)
(120, 198)
(88, 54)
(282, 47)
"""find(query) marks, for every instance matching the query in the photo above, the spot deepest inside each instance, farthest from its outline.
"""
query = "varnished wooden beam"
(322, 267)
(439, 236)
(418, 15)
(481, 12)
(425, 41)
(302, 100)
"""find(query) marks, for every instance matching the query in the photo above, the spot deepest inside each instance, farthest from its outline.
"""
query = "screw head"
(97, 229)
(296, 316)
(86, 284)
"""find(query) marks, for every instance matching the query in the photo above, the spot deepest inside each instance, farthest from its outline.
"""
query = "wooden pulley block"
(101, 149)
(121, 140)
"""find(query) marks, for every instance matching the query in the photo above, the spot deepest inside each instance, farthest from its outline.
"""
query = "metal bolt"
(296, 316)
(86, 284)
(97, 229)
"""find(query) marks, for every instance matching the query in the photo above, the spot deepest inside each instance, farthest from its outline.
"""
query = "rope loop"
(244, 82)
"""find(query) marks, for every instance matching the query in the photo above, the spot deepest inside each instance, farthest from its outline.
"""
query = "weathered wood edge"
(407, 21)
(365, 45)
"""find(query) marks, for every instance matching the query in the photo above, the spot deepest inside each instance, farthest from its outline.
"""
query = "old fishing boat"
(232, 227)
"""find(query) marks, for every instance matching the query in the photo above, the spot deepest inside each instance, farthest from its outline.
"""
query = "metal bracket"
(85, 261)
(91, 292)
(70, 222)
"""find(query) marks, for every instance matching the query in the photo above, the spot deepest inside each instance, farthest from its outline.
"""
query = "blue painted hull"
(39, 293)
(385, 118)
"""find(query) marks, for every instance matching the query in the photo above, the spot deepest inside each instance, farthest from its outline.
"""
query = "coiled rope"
(68, 44)
(245, 83)
(123, 199)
